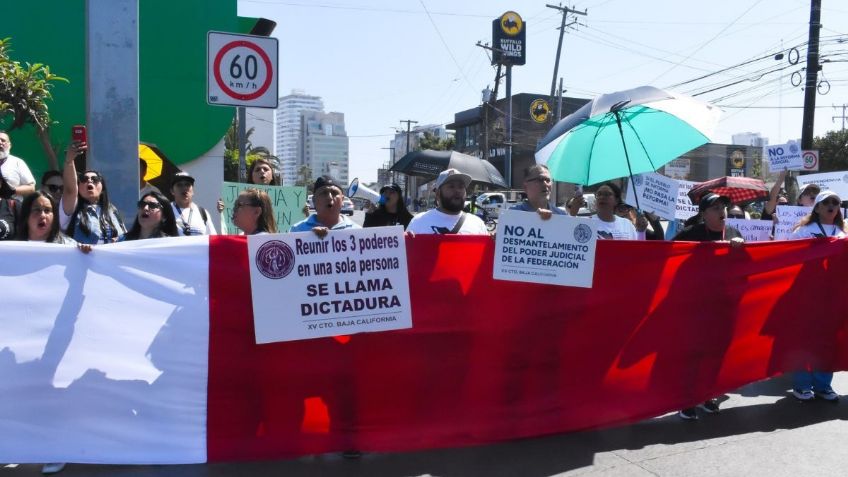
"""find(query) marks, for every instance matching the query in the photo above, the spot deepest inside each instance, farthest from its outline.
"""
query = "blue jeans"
(816, 380)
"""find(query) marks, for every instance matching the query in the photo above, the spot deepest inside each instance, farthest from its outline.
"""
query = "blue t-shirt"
(307, 224)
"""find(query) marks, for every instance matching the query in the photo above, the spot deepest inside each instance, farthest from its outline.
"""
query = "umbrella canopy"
(160, 169)
(740, 190)
(429, 164)
(625, 133)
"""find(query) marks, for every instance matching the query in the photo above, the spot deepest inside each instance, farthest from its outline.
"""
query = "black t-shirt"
(700, 233)
(381, 218)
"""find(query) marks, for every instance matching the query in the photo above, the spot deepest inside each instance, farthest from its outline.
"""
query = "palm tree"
(24, 93)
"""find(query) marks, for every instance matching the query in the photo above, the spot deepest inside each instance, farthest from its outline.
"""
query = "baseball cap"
(391, 186)
(824, 195)
(710, 198)
(325, 181)
(812, 189)
(450, 174)
(182, 177)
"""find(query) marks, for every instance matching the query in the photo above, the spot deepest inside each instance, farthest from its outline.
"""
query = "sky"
(380, 62)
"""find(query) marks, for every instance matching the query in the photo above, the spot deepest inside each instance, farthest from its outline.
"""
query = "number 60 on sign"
(242, 70)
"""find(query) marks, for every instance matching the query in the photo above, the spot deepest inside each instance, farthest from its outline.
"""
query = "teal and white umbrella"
(625, 133)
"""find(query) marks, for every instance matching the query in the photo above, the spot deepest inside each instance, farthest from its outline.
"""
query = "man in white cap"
(448, 217)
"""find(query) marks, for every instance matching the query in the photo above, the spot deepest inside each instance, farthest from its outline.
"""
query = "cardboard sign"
(784, 157)
(835, 181)
(787, 217)
(350, 281)
(558, 251)
(287, 202)
(752, 230)
(656, 193)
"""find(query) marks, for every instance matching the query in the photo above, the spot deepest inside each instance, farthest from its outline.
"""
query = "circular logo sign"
(243, 70)
(638, 180)
(793, 148)
(511, 23)
(540, 110)
(582, 233)
(737, 159)
(275, 259)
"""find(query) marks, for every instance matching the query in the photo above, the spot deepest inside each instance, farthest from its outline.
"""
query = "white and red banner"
(144, 352)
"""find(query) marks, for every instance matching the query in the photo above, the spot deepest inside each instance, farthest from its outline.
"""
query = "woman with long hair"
(253, 214)
(261, 172)
(391, 209)
(85, 212)
(155, 218)
(37, 221)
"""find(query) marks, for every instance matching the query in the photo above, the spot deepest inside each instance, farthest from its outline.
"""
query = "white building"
(749, 139)
(262, 122)
(287, 127)
(324, 145)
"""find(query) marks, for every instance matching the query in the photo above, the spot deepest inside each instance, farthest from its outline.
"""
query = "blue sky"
(379, 61)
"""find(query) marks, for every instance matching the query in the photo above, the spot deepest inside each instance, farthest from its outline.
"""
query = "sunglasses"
(55, 188)
(832, 202)
(92, 179)
(546, 180)
(150, 205)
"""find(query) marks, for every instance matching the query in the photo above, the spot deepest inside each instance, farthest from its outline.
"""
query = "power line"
(435, 27)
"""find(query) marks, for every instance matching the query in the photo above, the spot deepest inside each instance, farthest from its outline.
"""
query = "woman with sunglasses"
(85, 212)
(52, 184)
(252, 213)
(825, 220)
(155, 218)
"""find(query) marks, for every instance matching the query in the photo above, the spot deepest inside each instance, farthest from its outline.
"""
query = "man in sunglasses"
(192, 219)
(537, 187)
(52, 184)
(18, 178)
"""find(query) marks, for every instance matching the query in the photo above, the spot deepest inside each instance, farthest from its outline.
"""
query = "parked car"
(347, 206)
(492, 203)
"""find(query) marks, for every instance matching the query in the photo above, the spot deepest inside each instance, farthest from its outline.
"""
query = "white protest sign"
(558, 251)
(684, 207)
(656, 193)
(752, 230)
(351, 281)
(835, 181)
(787, 217)
(784, 157)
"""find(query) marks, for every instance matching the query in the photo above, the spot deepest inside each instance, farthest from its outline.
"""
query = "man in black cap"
(327, 198)
(191, 218)
(391, 209)
(709, 224)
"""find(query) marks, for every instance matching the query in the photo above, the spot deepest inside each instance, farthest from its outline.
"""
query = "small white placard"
(784, 157)
(656, 193)
(558, 251)
(351, 281)
(752, 230)
(685, 208)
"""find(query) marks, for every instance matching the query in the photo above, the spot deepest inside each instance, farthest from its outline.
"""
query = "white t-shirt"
(435, 222)
(813, 230)
(194, 219)
(618, 229)
(16, 173)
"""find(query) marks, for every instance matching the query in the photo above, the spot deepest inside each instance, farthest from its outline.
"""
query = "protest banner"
(752, 230)
(656, 193)
(684, 207)
(784, 157)
(835, 181)
(287, 201)
(351, 281)
(557, 251)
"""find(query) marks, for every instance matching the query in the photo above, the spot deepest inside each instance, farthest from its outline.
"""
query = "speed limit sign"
(242, 70)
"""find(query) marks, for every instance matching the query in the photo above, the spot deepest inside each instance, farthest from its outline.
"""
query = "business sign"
(540, 110)
(752, 230)
(287, 202)
(677, 169)
(684, 208)
(509, 39)
(557, 251)
(811, 160)
(784, 157)
(655, 193)
(242, 70)
(736, 163)
(835, 181)
(350, 281)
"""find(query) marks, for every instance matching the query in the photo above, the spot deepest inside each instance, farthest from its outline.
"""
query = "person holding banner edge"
(327, 197)
(537, 186)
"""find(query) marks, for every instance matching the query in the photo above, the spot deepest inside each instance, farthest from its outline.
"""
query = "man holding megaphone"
(391, 209)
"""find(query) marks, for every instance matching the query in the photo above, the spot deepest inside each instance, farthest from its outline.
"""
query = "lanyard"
(825, 233)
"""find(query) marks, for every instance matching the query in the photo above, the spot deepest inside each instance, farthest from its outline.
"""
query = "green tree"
(833, 151)
(431, 141)
(304, 176)
(231, 151)
(24, 93)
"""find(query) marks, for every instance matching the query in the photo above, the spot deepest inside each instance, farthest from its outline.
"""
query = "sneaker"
(52, 468)
(828, 395)
(710, 406)
(688, 414)
(803, 394)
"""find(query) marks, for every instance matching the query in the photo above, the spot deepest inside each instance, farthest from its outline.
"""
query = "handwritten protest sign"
(787, 217)
(656, 193)
(684, 207)
(287, 202)
(784, 157)
(752, 230)
(351, 281)
(835, 181)
(558, 251)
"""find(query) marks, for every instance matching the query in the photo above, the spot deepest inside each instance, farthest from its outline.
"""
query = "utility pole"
(843, 117)
(809, 91)
(409, 124)
(565, 11)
